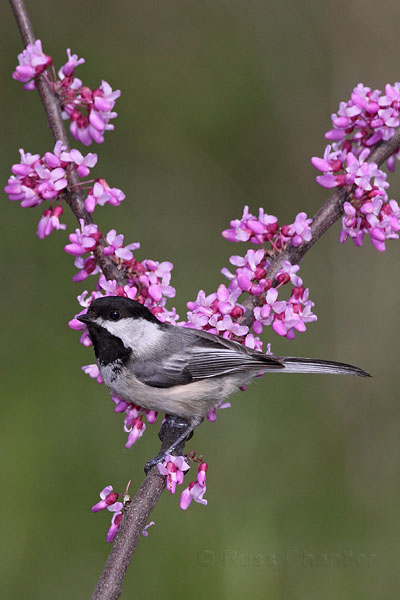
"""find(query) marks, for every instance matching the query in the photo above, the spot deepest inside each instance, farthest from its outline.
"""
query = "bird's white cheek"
(139, 335)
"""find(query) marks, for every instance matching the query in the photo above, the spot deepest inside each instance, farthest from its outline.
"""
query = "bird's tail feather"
(311, 365)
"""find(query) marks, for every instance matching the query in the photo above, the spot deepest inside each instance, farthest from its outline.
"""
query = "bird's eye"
(114, 315)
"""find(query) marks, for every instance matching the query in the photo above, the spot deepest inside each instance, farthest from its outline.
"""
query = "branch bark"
(138, 511)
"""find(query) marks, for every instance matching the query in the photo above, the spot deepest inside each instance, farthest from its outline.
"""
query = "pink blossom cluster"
(148, 281)
(221, 312)
(285, 317)
(90, 111)
(174, 469)
(36, 179)
(265, 231)
(109, 500)
(369, 117)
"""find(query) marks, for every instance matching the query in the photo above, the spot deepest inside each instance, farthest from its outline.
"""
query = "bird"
(181, 371)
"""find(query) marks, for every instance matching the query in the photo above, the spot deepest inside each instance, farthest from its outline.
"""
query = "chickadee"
(180, 371)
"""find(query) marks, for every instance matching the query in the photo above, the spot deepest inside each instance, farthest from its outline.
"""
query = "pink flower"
(151, 416)
(253, 342)
(332, 161)
(102, 194)
(50, 220)
(58, 157)
(212, 413)
(288, 273)
(250, 228)
(88, 266)
(174, 468)
(300, 230)
(265, 314)
(32, 62)
(115, 246)
(193, 492)
(157, 278)
(201, 473)
(93, 372)
(227, 326)
(83, 164)
(121, 405)
(115, 523)
(83, 240)
(108, 500)
(135, 427)
(71, 64)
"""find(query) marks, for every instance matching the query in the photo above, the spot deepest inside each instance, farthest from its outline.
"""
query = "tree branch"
(324, 218)
(135, 518)
(73, 195)
(138, 510)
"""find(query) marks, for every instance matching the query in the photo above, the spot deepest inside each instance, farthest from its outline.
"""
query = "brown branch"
(135, 518)
(138, 511)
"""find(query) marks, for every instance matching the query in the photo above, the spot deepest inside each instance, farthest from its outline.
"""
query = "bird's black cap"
(114, 308)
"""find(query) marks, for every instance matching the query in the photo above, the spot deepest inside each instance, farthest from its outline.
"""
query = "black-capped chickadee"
(180, 371)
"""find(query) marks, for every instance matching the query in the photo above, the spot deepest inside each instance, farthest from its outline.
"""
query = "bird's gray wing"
(202, 357)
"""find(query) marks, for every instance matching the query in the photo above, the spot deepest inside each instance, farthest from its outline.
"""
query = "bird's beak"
(85, 319)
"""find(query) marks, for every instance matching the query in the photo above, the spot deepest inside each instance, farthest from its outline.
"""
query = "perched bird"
(180, 371)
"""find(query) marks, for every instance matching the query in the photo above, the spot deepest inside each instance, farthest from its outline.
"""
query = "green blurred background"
(223, 104)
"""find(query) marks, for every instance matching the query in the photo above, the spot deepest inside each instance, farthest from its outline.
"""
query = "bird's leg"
(173, 422)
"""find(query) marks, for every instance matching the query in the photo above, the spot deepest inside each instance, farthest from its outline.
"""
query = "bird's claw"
(177, 423)
(154, 461)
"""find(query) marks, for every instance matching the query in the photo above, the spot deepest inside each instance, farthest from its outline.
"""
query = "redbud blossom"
(90, 111)
(193, 492)
(174, 468)
(366, 119)
(32, 62)
(50, 220)
(135, 427)
(108, 500)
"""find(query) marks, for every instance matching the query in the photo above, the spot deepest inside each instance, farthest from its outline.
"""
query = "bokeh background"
(223, 104)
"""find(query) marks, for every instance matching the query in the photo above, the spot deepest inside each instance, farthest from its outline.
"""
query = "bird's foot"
(172, 421)
(154, 461)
